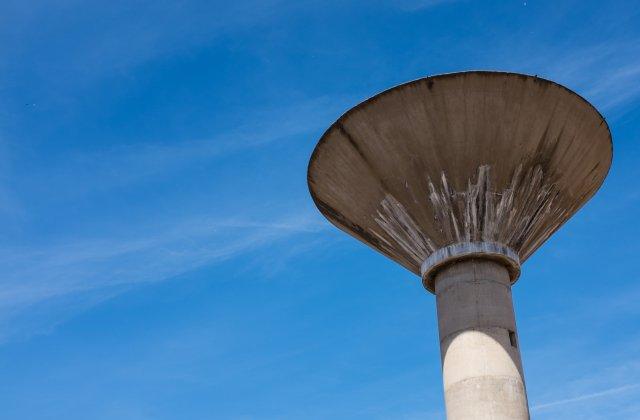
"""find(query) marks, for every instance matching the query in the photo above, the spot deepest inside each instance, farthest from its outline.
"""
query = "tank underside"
(460, 158)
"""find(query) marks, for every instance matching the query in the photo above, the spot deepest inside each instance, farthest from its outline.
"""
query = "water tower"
(460, 178)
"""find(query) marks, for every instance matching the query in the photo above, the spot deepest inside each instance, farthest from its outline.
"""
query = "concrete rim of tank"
(463, 251)
(385, 92)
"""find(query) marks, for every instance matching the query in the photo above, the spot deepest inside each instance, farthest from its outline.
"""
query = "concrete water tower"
(460, 178)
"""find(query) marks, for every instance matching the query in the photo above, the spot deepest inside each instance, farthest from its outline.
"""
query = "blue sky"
(161, 257)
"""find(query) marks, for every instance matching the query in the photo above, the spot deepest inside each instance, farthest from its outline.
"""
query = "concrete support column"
(481, 365)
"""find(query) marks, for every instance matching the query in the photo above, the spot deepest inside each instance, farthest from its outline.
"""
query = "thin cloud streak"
(586, 397)
(110, 39)
(34, 275)
(102, 268)
(126, 165)
(417, 5)
(77, 272)
(607, 74)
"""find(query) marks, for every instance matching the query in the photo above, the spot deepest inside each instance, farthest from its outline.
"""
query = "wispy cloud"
(46, 282)
(77, 271)
(599, 368)
(107, 266)
(79, 48)
(125, 165)
(586, 397)
(607, 74)
(415, 5)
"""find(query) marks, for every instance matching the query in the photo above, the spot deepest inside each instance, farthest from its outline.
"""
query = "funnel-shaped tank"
(460, 163)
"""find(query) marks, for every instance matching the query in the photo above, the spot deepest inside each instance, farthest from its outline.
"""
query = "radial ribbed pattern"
(475, 156)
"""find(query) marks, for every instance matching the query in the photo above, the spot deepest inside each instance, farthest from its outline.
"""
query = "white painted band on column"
(468, 250)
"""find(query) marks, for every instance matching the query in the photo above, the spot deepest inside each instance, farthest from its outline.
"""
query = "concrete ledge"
(469, 250)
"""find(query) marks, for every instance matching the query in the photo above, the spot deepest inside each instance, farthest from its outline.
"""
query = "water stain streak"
(478, 213)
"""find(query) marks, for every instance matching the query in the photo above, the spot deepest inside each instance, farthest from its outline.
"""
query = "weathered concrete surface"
(481, 366)
(463, 157)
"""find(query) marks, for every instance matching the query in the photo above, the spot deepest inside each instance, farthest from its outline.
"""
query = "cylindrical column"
(481, 366)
